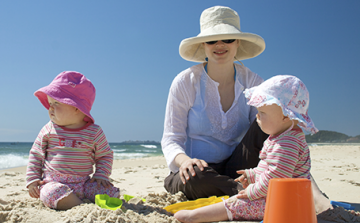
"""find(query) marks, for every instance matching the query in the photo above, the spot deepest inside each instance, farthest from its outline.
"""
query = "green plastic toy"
(127, 198)
(106, 202)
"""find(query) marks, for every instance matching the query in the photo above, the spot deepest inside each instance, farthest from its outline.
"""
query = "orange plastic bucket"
(290, 200)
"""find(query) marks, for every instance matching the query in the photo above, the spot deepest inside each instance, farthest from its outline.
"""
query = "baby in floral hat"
(68, 146)
(282, 103)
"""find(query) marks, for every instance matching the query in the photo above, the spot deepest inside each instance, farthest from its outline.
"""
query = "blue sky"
(129, 50)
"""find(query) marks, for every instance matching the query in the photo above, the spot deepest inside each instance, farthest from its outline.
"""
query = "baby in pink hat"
(282, 103)
(62, 157)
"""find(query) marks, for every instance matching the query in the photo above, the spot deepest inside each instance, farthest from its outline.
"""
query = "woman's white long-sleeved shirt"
(195, 123)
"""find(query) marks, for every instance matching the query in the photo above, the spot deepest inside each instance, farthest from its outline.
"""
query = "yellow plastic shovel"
(190, 205)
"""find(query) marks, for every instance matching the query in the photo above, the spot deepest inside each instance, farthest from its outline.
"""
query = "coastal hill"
(324, 136)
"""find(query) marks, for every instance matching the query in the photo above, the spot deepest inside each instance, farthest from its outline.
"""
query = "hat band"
(219, 29)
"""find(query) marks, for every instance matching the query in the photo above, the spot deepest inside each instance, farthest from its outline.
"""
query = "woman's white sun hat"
(220, 23)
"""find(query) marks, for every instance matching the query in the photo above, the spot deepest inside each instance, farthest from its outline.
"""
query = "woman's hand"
(188, 165)
(34, 190)
(242, 179)
(99, 182)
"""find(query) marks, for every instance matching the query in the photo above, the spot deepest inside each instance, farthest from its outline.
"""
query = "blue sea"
(15, 154)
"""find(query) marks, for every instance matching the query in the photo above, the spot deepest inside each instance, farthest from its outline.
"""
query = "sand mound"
(32, 210)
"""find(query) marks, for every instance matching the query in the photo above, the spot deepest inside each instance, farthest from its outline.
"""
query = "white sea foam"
(149, 146)
(10, 161)
(119, 150)
(146, 151)
(149, 151)
(122, 156)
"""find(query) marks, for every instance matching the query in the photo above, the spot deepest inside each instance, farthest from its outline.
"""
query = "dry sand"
(336, 170)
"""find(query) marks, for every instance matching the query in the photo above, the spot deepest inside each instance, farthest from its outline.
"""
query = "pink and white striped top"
(70, 151)
(283, 156)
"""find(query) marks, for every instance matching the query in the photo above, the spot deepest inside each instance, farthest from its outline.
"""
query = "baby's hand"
(242, 179)
(34, 191)
(105, 183)
(242, 194)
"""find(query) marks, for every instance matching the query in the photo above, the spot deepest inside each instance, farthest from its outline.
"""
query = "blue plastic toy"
(340, 204)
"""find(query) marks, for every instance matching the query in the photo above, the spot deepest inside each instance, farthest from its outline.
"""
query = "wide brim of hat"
(258, 98)
(54, 93)
(251, 45)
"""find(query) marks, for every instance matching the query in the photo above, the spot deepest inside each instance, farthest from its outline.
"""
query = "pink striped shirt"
(70, 151)
(284, 156)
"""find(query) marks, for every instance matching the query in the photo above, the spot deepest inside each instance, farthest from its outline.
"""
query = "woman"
(206, 113)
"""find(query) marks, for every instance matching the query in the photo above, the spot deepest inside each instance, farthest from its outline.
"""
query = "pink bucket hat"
(288, 92)
(71, 88)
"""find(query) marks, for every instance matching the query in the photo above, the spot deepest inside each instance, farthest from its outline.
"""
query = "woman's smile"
(220, 52)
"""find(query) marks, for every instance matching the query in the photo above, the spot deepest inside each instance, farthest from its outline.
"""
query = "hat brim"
(251, 45)
(42, 94)
(258, 98)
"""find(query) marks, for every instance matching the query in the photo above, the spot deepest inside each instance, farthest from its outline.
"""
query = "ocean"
(15, 154)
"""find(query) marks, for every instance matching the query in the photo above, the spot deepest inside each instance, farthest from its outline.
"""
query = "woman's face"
(221, 52)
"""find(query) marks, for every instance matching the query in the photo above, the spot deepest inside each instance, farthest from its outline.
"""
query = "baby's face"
(60, 113)
(270, 119)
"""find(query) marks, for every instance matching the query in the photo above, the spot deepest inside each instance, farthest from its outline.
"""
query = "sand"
(336, 170)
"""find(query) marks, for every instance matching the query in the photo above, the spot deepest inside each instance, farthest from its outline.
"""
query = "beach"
(335, 168)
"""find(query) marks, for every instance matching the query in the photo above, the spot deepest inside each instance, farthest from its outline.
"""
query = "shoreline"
(334, 168)
(21, 169)
(150, 160)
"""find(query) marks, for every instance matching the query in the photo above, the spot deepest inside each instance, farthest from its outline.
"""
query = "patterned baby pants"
(58, 185)
(245, 209)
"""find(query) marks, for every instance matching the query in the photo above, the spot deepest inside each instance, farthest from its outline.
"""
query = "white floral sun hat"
(288, 92)
(220, 23)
